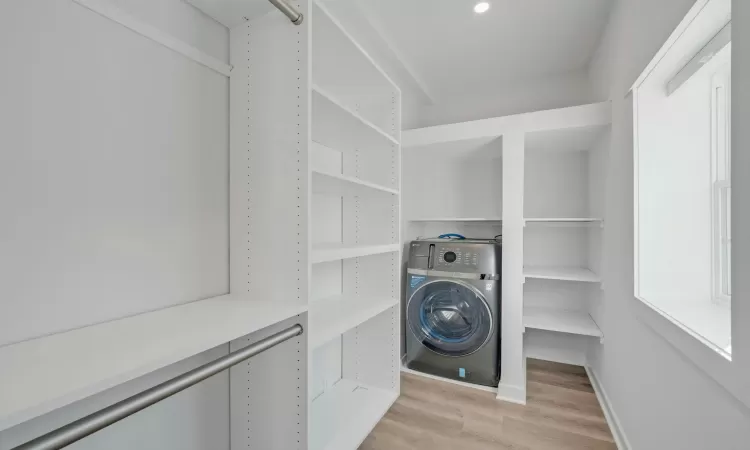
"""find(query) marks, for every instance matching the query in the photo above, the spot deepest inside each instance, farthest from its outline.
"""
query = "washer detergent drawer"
(422, 255)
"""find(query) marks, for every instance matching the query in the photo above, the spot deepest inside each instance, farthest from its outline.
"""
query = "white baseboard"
(513, 394)
(614, 423)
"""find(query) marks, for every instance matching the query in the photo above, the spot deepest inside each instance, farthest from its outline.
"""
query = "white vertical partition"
(269, 221)
(513, 364)
(268, 393)
(269, 111)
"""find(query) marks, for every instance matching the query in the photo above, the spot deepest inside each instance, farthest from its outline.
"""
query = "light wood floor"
(562, 413)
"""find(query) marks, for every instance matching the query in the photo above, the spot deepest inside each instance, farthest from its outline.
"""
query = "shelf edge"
(323, 93)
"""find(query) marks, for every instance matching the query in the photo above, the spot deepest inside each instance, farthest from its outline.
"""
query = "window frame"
(721, 183)
(730, 375)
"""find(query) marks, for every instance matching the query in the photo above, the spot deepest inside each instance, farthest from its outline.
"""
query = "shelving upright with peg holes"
(333, 119)
(308, 128)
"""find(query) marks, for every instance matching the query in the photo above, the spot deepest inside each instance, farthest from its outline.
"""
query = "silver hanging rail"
(92, 423)
(289, 11)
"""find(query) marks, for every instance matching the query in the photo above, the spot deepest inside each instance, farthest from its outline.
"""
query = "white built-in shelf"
(43, 374)
(331, 317)
(340, 128)
(337, 184)
(579, 125)
(564, 220)
(359, 80)
(571, 322)
(457, 219)
(561, 273)
(343, 416)
(332, 252)
(232, 13)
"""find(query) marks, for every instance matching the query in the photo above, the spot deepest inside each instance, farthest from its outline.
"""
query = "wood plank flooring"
(562, 413)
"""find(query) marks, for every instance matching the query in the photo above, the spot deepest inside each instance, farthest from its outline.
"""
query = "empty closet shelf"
(343, 416)
(331, 317)
(457, 219)
(337, 184)
(560, 321)
(564, 220)
(561, 273)
(336, 126)
(43, 374)
(332, 252)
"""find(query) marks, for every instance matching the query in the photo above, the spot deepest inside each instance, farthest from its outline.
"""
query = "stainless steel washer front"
(453, 308)
(450, 317)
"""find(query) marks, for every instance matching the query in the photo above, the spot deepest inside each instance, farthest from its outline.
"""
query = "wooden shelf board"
(324, 104)
(231, 13)
(331, 183)
(332, 252)
(571, 322)
(561, 273)
(339, 43)
(343, 416)
(43, 374)
(331, 317)
(458, 219)
(562, 219)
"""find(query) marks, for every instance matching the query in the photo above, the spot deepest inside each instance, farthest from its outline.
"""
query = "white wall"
(114, 195)
(445, 186)
(531, 95)
(556, 184)
(113, 168)
(741, 186)
(661, 399)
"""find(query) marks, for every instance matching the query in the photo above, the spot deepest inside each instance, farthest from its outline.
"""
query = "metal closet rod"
(103, 418)
(290, 11)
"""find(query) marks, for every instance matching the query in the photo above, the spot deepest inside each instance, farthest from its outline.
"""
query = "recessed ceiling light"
(481, 7)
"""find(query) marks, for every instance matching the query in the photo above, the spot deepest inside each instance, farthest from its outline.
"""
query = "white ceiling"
(449, 50)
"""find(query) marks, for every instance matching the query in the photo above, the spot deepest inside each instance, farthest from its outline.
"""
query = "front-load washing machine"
(453, 309)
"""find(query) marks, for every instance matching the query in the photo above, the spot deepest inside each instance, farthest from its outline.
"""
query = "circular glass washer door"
(451, 318)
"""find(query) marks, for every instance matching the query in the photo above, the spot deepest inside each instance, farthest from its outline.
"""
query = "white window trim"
(720, 155)
(728, 374)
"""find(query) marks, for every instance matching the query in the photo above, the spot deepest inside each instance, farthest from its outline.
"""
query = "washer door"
(451, 318)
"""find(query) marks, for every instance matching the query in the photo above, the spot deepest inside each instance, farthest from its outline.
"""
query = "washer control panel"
(467, 256)
(456, 256)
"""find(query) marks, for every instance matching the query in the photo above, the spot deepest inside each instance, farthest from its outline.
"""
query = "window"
(682, 179)
(720, 172)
